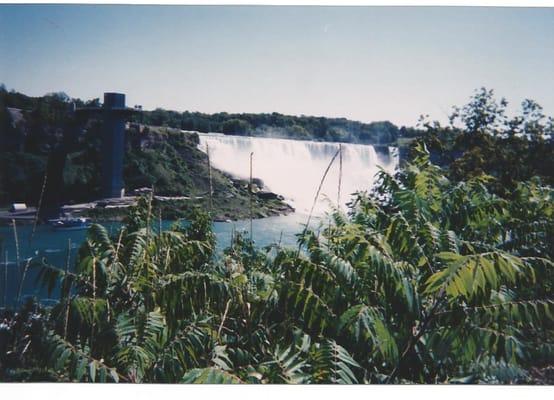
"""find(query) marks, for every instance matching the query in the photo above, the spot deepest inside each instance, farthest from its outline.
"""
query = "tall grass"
(340, 175)
(210, 178)
(39, 206)
(316, 197)
(250, 195)
(5, 278)
(68, 289)
(16, 241)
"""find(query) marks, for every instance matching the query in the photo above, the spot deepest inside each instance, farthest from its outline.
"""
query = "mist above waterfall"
(294, 168)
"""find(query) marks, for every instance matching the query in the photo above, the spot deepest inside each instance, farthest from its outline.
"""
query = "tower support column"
(113, 144)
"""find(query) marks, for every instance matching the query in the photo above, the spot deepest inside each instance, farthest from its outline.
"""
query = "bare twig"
(149, 214)
(223, 318)
(23, 280)
(210, 178)
(66, 322)
(160, 226)
(340, 176)
(16, 240)
(317, 196)
(118, 246)
(250, 193)
(5, 278)
(39, 205)
(93, 299)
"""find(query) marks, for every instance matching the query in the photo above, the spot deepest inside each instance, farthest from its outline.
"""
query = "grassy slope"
(170, 161)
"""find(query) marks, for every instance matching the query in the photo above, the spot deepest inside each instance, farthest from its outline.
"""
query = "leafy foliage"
(432, 277)
(483, 141)
(424, 280)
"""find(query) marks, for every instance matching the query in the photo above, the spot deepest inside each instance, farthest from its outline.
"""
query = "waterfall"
(294, 168)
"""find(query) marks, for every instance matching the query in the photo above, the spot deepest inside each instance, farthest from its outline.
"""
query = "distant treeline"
(52, 109)
(279, 125)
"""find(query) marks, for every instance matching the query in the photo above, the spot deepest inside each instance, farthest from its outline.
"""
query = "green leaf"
(209, 376)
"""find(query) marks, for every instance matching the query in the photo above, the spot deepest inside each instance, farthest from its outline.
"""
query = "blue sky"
(364, 63)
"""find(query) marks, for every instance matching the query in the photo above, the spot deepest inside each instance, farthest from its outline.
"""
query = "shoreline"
(169, 208)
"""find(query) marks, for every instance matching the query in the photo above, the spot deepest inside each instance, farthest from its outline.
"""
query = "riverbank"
(227, 208)
(232, 206)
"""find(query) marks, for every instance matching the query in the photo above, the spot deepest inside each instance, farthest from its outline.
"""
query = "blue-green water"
(53, 245)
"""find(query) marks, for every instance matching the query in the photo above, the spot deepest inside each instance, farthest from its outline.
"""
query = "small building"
(141, 191)
(18, 207)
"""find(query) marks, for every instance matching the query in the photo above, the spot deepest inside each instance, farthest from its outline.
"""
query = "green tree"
(483, 114)
(236, 127)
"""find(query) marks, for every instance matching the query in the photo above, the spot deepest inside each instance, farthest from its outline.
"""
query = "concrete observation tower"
(114, 114)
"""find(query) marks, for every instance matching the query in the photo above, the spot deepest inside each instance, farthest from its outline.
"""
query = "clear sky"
(364, 63)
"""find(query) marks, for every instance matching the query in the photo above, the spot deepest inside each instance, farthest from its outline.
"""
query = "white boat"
(72, 224)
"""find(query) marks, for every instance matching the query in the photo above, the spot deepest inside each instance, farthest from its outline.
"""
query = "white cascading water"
(294, 168)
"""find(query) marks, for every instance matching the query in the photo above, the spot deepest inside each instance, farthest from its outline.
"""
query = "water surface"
(59, 246)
